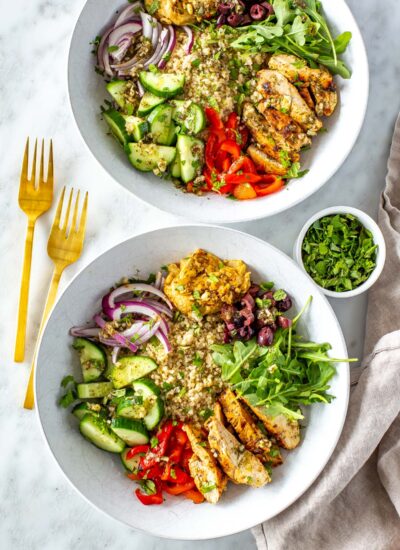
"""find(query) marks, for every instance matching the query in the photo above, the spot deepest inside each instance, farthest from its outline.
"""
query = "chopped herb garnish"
(67, 380)
(153, 442)
(180, 288)
(267, 286)
(196, 295)
(213, 278)
(208, 488)
(279, 295)
(196, 62)
(262, 303)
(111, 49)
(206, 413)
(153, 7)
(198, 360)
(196, 310)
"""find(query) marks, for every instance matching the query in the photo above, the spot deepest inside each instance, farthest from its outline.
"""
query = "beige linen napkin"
(355, 503)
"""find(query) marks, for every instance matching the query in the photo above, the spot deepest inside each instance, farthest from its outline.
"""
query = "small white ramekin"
(368, 223)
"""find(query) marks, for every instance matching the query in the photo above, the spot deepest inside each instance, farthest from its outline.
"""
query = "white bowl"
(98, 476)
(87, 92)
(367, 222)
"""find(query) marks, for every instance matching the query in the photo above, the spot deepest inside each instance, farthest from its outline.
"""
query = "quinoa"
(188, 378)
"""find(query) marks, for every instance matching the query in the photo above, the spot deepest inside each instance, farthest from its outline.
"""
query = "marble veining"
(38, 507)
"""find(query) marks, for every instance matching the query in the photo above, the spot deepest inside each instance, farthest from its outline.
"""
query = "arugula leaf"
(283, 12)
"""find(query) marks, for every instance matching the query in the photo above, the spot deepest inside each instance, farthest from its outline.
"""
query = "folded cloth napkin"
(355, 503)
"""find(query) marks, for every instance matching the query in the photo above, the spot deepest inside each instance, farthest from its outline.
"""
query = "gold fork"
(64, 248)
(34, 202)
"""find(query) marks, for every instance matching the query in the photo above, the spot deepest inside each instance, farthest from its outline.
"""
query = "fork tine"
(57, 217)
(50, 169)
(65, 224)
(33, 173)
(41, 165)
(82, 223)
(75, 216)
(24, 171)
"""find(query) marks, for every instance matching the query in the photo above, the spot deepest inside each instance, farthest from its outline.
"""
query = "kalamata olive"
(234, 19)
(268, 8)
(225, 7)
(269, 295)
(246, 20)
(258, 12)
(283, 322)
(254, 290)
(221, 20)
(227, 336)
(248, 301)
(265, 337)
(285, 304)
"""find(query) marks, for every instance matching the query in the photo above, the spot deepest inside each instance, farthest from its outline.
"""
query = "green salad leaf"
(339, 252)
(296, 27)
(279, 378)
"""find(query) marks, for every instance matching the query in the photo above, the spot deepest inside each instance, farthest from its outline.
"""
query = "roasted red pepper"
(231, 147)
(137, 450)
(163, 435)
(247, 177)
(214, 118)
(148, 499)
(177, 489)
(264, 188)
(242, 163)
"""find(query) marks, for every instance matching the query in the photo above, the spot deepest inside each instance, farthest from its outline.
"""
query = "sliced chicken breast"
(240, 465)
(285, 431)
(203, 467)
(182, 12)
(284, 97)
(320, 81)
(266, 163)
(247, 430)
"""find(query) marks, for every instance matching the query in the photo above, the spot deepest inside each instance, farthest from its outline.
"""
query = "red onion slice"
(114, 354)
(119, 32)
(110, 298)
(164, 340)
(102, 53)
(137, 307)
(130, 12)
(160, 50)
(116, 335)
(190, 39)
(169, 49)
(148, 25)
(140, 88)
(84, 332)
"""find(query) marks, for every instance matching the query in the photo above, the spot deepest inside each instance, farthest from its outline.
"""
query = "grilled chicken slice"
(207, 476)
(266, 163)
(240, 465)
(247, 430)
(285, 431)
(320, 81)
(284, 97)
(182, 12)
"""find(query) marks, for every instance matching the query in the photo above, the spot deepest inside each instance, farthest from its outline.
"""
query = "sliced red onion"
(159, 306)
(158, 281)
(114, 354)
(131, 12)
(169, 49)
(149, 334)
(84, 332)
(130, 28)
(116, 335)
(137, 307)
(140, 88)
(102, 53)
(98, 319)
(157, 28)
(164, 340)
(148, 25)
(190, 39)
(160, 49)
(110, 298)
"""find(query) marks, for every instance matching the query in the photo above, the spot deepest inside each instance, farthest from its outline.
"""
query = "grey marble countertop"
(38, 507)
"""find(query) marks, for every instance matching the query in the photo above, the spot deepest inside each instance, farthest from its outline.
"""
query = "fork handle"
(51, 298)
(19, 352)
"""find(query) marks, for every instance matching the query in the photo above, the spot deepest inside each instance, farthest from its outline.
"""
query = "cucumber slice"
(88, 408)
(116, 123)
(148, 156)
(162, 84)
(97, 431)
(195, 120)
(93, 390)
(132, 407)
(191, 153)
(92, 358)
(148, 102)
(109, 365)
(130, 368)
(136, 127)
(130, 431)
(176, 167)
(180, 107)
(131, 464)
(151, 394)
(161, 126)
(117, 88)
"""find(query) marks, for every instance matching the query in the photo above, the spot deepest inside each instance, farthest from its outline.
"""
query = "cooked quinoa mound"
(188, 378)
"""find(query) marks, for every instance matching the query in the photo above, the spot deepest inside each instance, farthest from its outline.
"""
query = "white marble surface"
(38, 508)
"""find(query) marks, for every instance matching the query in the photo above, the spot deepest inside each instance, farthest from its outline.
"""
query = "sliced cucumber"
(131, 431)
(180, 107)
(92, 358)
(93, 390)
(116, 123)
(162, 84)
(117, 88)
(161, 126)
(148, 102)
(195, 121)
(176, 167)
(148, 156)
(130, 368)
(151, 395)
(131, 464)
(132, 407)
(88, 408)
(136, 127)
(109, 365)
(191, 154)
(98, 432)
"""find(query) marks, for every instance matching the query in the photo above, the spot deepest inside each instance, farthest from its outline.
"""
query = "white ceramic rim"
(341, 421)
(198, 215)
(370, 224)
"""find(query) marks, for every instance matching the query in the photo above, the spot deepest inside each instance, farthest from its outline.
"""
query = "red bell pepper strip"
(213, 118)
(154, 472)
(219, 159)
(244, 136)
(231, 147)
(156, 498)
(176, 454)
(178, 489)
(247, 177)
(232, 121)
(263, 189)
(242, 163)
(160, 449)
(174, 474)
(194, 495)
(186, 456)
(137, 450)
